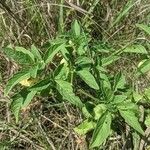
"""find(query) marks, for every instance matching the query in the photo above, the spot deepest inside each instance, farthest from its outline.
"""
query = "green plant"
(81, 77)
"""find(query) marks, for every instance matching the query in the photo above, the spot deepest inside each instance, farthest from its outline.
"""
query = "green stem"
(71, 77)
(88, 95)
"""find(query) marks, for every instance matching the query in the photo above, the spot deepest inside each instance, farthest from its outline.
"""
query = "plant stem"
(88, 95)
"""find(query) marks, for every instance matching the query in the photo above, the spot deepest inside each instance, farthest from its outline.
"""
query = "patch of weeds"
(102, 99)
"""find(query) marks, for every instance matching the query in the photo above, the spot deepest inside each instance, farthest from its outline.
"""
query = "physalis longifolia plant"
(80, 76)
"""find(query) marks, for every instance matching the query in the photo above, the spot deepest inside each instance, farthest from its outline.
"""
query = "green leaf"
(87, 110)
(88, 78)
(127, 105)
(85, 127)
(86, 113)
(82, 45)
(62, 71)
(101, 69)
(41, 85)
(107, 94)
(16, 105)
(144, 28)
(102, 130)
(119, 81)
(17, 56)
(33, 71)
(65, 54)
(15, 80)
(66, 90)
(105, 80)
(36, 53)
(109, 60)
(76, 28)
(41, 65)
(119, 99)
(28, 99)
(23, 50)
(137, 97)
(52, 51)
(102, 48)
(58, 40)
(132, 120)
(99, 110)
(147, 94)
(82, 61)
(143, 68)
(139, 49)
(21, 101)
